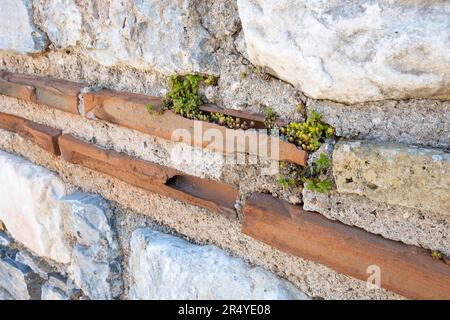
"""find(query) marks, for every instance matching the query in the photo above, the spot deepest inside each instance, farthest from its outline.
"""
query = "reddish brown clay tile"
(17, 90)
(215, 196)
(447, 260)
(44, 136)
(105, 105)
(56, 93)
(209, 194)
(120, 100)
(405, 269)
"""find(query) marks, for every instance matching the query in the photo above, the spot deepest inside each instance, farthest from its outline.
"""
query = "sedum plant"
(314, 182)
(309, 134)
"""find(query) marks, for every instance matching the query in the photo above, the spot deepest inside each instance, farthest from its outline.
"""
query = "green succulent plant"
(313, 182)
(308, 135)
(437, 255)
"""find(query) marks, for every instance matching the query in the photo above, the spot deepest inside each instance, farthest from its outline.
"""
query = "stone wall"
(60, 243)
(91, 184)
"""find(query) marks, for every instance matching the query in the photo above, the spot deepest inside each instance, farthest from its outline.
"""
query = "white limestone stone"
(73, 229)
(17, 32)
(166, 267)
(163, 35)
(30, 207)
(93, 268)
(352, 51)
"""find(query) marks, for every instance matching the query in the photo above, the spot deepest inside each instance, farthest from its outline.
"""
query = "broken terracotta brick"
(405, 269)
(213, 195)
(56, 93)
(113, 107)
(44, 136)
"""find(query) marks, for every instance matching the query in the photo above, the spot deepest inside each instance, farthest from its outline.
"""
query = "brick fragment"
(213, 195)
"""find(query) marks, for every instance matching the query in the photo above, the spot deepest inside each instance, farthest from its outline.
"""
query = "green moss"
(323, 163)
(310, 134)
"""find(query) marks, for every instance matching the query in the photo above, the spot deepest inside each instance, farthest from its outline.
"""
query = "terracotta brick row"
(59, 94)
(129, 110)
(405, 269)
(44, 136)
(213, 195)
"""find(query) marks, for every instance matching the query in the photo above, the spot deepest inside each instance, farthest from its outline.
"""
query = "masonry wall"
(81, 160)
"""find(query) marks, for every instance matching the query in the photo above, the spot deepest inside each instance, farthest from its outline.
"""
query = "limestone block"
(166, 267)
(395, 174)
(353, 51)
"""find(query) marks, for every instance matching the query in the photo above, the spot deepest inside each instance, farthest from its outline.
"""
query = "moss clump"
(313, 177)
(308, 135)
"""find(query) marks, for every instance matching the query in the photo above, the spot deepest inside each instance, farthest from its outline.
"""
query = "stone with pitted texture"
(352, 51)
(394, 173)
(17, 31)
(166, 267)
(72, 229)
(166, 36)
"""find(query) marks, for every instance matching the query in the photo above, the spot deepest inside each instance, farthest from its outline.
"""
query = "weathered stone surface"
(38, 265)
(419, 122)
(5, 240)
(163, 35)
(18, 280)
(404, 269)
(30, 207)
(94, 266)
(71, 229)
(51, 292)
(352, 52)
(58, 287)
(396, 174)
(411, 226)
(166, 267)
(17, 32)
(5, 295)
